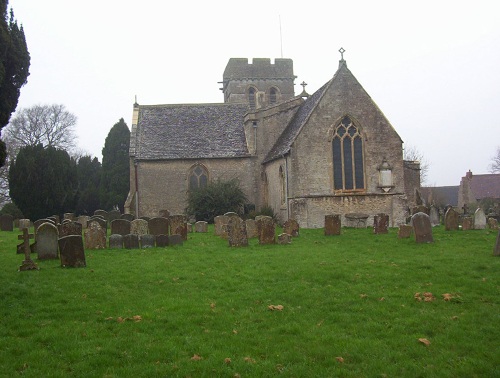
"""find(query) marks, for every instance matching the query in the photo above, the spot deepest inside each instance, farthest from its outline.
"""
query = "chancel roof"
(485, 186)
(191, 131)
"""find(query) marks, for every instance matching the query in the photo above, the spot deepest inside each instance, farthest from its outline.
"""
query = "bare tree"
(411, 153)
(495, 162)
(49, 125)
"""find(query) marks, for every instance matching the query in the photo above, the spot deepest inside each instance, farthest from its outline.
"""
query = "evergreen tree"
(115, 174)
(43, 181)
(89, 179)
(14, 67)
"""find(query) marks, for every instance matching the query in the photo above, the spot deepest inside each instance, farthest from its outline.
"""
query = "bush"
(267, 211)
(217, 198)
(12, 209)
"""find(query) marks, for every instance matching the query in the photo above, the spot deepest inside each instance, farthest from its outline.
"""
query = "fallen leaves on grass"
(212, 305)
(426, 297)
(447, 296)
(227, 361)
(135, 318)
(250, 360)
(340, 359)
(363, 296)
(275, 307)
(196, 358)
(424, 341)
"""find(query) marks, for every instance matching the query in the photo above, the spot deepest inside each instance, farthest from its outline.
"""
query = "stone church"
(303, 155)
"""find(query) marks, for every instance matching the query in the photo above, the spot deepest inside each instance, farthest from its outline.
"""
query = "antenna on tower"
(281, 38)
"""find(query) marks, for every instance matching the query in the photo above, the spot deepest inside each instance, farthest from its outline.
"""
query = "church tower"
(259, 83)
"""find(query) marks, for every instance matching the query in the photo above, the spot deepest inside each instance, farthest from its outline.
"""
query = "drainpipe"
(286, 184)
(136, 191)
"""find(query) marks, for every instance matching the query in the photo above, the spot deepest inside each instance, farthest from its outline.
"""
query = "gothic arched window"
(347, 148)
(251, 97)
(273, 96)
(198, 177)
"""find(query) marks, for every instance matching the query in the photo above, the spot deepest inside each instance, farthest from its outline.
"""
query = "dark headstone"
(496, 249)
(70, 228)
(201, 226)
(55, 218)
(405, 231)
(237, 232)
(46, 241)
(114, 214)
(147, 241)
(72, 252)
(422, 228)
(102, 213)
(131, 241)
(467, 223)
(95, 236)
(284, 238)
(175, 240)
(332, 224)
(120, 227)
(158, 226)
(451, 220)
(267, 230)
(145, 218)
(162, 240)
(69, 216)
(176, 221)
(291, 227)
(129, 217)
(6, 222)
(116, 241)
(420, 209)
(139, 227)
(381, 224)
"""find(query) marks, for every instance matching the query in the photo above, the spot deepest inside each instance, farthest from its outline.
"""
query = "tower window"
(347, 149)
(272, 96)
(251, 97)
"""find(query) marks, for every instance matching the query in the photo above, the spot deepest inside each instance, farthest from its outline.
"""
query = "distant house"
(440, 196)
(475, 188)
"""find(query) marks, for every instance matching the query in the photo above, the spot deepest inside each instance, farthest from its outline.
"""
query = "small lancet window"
(251, 97)
(273, 96)
(198, 177)
(347, 149)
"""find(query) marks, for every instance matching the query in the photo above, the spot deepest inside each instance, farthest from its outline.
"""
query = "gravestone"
(420, 209)
(131, 241)
(100, 220)
(164, 213)
(38, 222)
(114, 214)
(422, 228)
(55, 219)
(496, 249)
(158, 226)
(267, 230)
(237, 232)
(162, 240)
(201, 226)
(231, 214)
(28, 263)
(219, 222)
(24, 223)
(72, 252)
(6, 222)
(284, 238)
(70, 216)
(147, 241)
(70, 228)
(356, 220)
(178, 225)
(189, 228)
(467, 223)
(332, 224)
(451, 220)
(139, 227)
(251, 227)
(116, 241)
(129, 217)
(434, 215)
(492, 224)
(175, 239)
(291, 227)
(102, 213)
(95, 236)
(46, 241)
(479, 219)
(405, 231)
(381, 224)
(83, 220)
(120, 227)
(145, 218)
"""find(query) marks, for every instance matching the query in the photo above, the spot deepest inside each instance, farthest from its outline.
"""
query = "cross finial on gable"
(304, 93)
(341, 51)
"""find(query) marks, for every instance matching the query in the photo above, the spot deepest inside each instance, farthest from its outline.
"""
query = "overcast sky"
(433, 67)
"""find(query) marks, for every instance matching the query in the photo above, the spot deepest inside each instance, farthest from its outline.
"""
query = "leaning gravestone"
(479, 219)
(405, 231)
(147, 241)
(219, 222)
(6, 222)
(70, 228)
(496, 250)
(467, 223)
(251, 227)
(267, 230)
(158, 226)
(422, 228)
(162, 240)
(46, 241)
(332, 224)
(120, 227)
(116, 241)
(291, 227)
(237, 232)
(131, 241)
(139, 227)
(72, 252)
(95, 236)
(381, 223)
(451, 220)
(201, 226)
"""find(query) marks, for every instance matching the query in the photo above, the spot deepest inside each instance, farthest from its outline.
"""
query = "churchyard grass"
(202, 309)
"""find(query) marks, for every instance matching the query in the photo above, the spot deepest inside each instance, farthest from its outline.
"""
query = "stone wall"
(411, 180)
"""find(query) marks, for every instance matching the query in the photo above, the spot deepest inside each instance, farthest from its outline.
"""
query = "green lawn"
(202, 309)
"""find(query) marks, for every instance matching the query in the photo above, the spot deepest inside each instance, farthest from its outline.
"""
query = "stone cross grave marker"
(27, 263)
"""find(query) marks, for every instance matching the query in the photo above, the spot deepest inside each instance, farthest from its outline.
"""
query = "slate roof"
(190, 131)
(447, 195)
(485, 186)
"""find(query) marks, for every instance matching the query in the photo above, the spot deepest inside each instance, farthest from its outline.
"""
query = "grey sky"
(431, 66)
